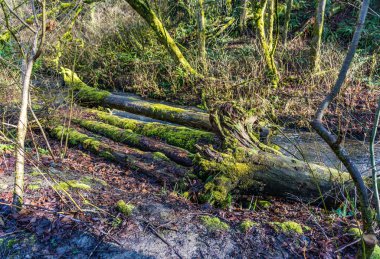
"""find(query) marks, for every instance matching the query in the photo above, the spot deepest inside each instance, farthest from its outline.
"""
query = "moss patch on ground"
(356, 232)
(288, 227)
(72, 184)
(214, 224)
(125, 208)
(246, 225)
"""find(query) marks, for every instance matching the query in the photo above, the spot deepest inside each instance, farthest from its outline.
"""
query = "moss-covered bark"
(252, 172)
(317, 36)
(289, 5)
(130, 138)
(267, 43)
(90, 96)
(201, 22)
(177, 136)
(145, 162)
(147, 13)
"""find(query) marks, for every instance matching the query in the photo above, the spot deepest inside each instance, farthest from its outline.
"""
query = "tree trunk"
(289, 5)
(242, 15)
(178, 136)
(148, 163)
(22, 126)
(132, 139)
(147, 13)
(253, 167)
(202, 36)
(178, 114)
(258, 9)
(317, 36)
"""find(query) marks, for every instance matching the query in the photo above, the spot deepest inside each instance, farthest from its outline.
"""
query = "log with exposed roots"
(244, 165)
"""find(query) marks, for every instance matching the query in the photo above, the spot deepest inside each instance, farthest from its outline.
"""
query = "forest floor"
(163, 224)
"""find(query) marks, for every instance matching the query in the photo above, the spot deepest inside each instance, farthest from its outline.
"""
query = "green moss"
(228, 174)
(179, 136)
(160, 108)
(72, 184)
(160, 155)
(75, 138)
(356, 232)
(85, 93)
(5, 37)
(93, 180)
(265, 204)
(124, 208)
(11, 243)
(214, 224)
(376, 253)
(288, 227)
(6, 147)
(247, 224)
(34, 187)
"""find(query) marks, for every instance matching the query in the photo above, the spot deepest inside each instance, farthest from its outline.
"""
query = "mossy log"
(178, 136)
(153, 164)
(90, 96)
(249, 166)
(260, 172)
(178, 155)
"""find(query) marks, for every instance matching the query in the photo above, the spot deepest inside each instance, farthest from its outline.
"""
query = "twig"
(352, 243)
(162, 239)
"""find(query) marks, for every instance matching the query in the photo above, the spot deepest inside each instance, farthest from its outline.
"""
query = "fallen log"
(90, 96)
(249, 167)
(153, 164)
(245, 165)
(132, 139)
(178, 136)
(258, 172)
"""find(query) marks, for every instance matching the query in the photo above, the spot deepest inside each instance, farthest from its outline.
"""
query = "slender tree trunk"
(202, 36)
(270, 23)
(242, 16)
(369, 239)
(373, 161)
(228, 7)
(146, 12)
(317, 36)
(21, 133)
(289, 5)
(259, 8)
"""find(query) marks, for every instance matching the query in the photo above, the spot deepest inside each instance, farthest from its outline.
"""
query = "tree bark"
(242, 15)
(90, 96)
(178, 136)
(289, 5)
(335, 142)
(22, 126)
(148, 163)
(268, 46)
(147, 13)
(317, 36)
(132, 139)
(202, 36)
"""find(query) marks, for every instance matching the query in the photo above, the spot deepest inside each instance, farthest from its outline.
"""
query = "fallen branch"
(130, 138)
